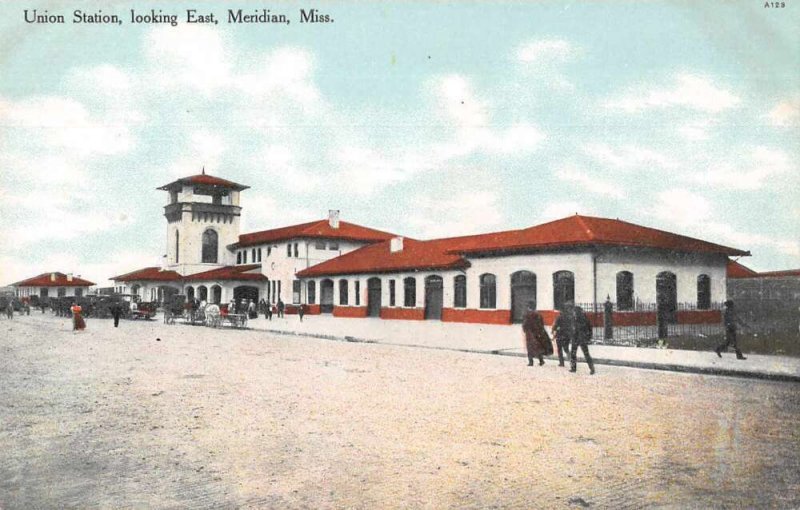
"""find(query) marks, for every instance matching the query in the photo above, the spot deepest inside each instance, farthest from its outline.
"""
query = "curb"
(726, 372)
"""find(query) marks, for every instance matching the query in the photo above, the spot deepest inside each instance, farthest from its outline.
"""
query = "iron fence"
(647, 323)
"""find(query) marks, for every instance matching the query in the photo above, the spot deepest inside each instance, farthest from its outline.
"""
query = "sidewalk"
(508, 340)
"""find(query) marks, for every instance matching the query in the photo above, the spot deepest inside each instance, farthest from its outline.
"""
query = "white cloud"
(696, 130)
(468, 212)
(279, 163)
(628, 157)
(545, 50)
(542, 60)
(682, 207)
(689, 91)
(590, 183)
(558, 210)
(751, 170)
(786, 113)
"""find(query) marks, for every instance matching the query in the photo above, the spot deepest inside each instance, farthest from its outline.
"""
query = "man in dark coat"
(573, 327)
(281, 306)
(583, 336)
(564, 332)
(730, 321)
(116, 312)
(537, 341)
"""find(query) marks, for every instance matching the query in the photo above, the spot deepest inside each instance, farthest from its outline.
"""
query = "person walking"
(537, 341)
(251, 309)
(564, 332)
(78, 324)
(281, 307)
(301, 311)
(116, 312)
(582, 339)
(730, 321)
(9, 310)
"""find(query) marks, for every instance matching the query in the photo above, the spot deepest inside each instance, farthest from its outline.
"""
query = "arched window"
(563, 288)
(624, 290)
(410, 291)
(703, 292)
(312, 292)
(488, 283)
(210, 246)
(342, 292)
(460, 291)
(177, 246)
(238, 257)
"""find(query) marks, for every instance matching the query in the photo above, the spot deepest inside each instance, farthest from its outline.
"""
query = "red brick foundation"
(476, 316)
(409, 314)
(350, 311)
(699, 317)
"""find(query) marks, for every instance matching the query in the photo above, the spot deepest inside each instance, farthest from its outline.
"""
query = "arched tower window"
(210, 246)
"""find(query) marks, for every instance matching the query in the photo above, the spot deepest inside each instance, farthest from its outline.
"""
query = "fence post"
(608, 319)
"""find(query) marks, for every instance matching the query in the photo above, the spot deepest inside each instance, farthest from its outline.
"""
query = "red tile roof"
(154, 274)
(315, 229)
(570, 232)
(229, 273)
(737, 270)
(778, 274)
(580, 230)
(45, 280)
(203, 179)
(377, 258)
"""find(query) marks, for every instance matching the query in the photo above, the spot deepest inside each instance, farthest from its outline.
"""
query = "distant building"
(769, 301)
(53, 284)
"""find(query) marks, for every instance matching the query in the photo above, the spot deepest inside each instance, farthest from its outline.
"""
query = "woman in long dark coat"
(537, 341)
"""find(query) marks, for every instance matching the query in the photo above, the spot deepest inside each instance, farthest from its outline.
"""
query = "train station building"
(334, 267)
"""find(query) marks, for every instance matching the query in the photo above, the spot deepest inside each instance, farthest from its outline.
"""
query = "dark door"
(326, 296)
(245, 292)
(434, 297)
(374, 297)
(523, 290)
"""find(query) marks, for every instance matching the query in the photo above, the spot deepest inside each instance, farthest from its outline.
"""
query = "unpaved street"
(203, 418)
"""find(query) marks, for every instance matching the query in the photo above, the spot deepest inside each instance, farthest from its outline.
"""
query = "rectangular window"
(296, 292)
(391, 293)
(269, 251)
(460, 292)
(238, 257)
(343, 298)
(279, 290)
(410, 292)
(333, 246)
(244, 257)
(319, 245)
(289, 250)
(259, 254)
(357, 292)
(296, 250)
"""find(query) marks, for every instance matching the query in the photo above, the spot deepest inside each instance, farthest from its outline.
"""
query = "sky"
(426, 119)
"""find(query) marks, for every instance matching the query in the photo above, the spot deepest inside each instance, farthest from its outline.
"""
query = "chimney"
(69, 277)
(333, 218)
(396, 244)
(52, 277)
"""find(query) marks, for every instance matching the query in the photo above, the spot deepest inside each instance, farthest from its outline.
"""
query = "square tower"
(202, 220)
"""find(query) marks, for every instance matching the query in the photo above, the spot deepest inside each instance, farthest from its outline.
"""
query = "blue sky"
(426, 119)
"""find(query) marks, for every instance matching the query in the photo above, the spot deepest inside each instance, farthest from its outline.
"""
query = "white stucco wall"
(644, 266)
(647, 264)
